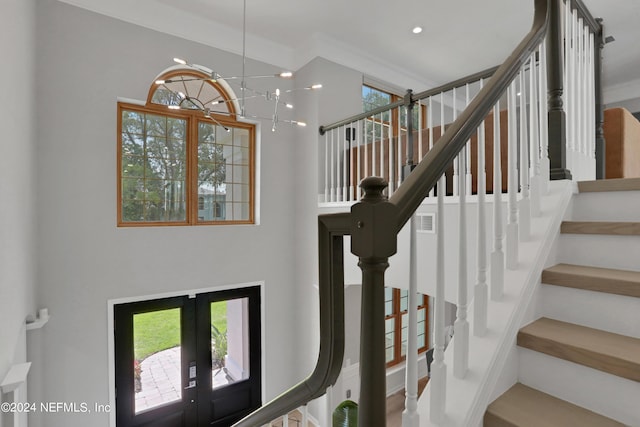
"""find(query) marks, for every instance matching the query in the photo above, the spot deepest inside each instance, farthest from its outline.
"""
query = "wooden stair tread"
(523, 406)
(601, 227)
(608, 352)
(620, 282)
(620, 184)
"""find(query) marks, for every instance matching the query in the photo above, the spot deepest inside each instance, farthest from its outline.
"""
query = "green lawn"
(219, 315)
(159, 330)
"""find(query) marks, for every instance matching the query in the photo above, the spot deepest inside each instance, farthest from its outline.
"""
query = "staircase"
(579, 363)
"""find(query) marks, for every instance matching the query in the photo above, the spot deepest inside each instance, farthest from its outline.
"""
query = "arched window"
(183, 143)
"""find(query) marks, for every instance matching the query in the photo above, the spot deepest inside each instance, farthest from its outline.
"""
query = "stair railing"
(373, 222)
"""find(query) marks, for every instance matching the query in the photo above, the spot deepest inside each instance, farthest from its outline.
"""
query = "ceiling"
(371, 35)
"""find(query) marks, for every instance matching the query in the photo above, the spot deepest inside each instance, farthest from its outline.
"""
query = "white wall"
(85, 62)
(17, 180)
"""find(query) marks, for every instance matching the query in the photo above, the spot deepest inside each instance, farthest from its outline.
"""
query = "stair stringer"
(467, 399)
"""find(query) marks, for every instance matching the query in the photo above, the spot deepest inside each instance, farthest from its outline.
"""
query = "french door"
(188, 360)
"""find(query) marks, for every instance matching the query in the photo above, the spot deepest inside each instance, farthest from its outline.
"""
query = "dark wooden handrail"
(472, 78)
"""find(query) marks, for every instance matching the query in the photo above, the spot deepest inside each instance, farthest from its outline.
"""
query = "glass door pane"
(154, 343)
(157, 352)
(229, 341)
(228, 355)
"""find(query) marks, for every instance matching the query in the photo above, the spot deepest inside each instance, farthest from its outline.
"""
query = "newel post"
(556, 114)
(373, 240)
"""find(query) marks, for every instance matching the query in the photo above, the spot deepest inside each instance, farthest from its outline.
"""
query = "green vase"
(346, 414)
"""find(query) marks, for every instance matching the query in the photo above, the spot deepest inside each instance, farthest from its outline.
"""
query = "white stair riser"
(618, 252)
(612, 313)
(600, 392)
(606, 206)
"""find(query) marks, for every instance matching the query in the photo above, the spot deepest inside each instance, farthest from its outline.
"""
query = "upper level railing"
(376, 143)
(530, 129)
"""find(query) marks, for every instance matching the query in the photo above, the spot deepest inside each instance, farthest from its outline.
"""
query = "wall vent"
(426, 222)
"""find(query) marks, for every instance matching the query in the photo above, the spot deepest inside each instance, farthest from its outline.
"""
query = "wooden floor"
(395, 405)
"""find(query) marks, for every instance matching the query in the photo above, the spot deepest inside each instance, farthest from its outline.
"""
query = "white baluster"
(374, 149)
(469, 181)
(346, 154)
(512, 178)
(592, 99)
(591, 111)
(327, 194)
(497, 256)
(285, 420)
(566, 55)
(366, 154)
(578, 97)
(461, 325)
(481, 291)
(421, 126)
(338, 161)
(305, 415)
(382, 128)
(391, 179)
(400, 156)
(572, 108)
(582, 101)
(333, 165)
(438, 367)
(362, 157)
(534, 138)
(525, 201)
(430, 124)
(455, 162)
(367, 171)
(544, 124)
(442, 130)
(410, 417)
(354, 169)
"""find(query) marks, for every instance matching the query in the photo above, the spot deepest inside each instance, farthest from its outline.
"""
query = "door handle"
(192, 384)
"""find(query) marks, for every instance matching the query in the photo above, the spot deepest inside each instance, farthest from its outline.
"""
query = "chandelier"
(182, 100)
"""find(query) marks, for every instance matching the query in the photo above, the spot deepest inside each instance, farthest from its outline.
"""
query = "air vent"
(426, 222)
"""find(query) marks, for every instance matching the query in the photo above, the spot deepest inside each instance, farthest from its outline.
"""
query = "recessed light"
(417, 30)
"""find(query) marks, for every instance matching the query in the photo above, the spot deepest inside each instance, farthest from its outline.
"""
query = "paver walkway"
(161, 380)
